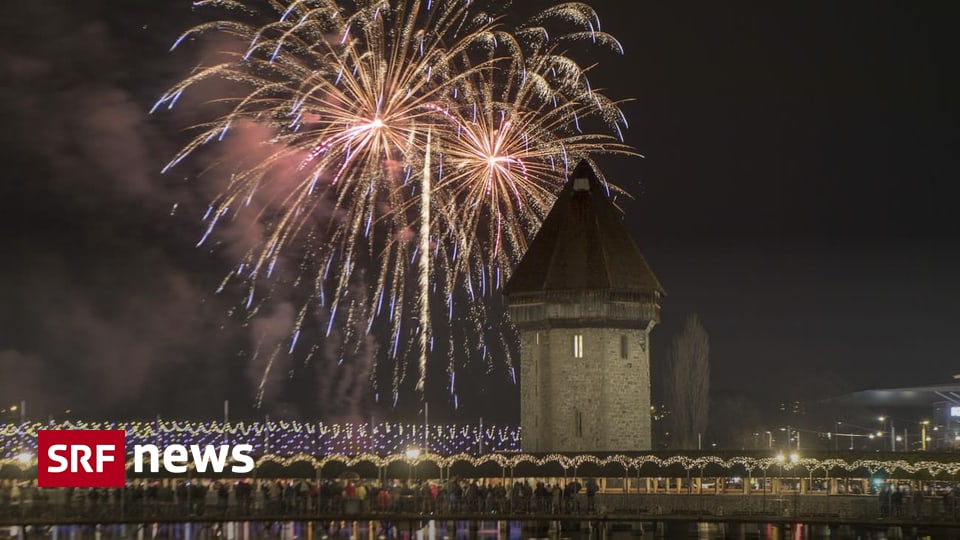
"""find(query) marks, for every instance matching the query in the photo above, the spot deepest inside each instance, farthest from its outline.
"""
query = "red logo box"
(81, 458)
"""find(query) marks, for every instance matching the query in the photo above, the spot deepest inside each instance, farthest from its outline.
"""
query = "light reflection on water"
(490, 530)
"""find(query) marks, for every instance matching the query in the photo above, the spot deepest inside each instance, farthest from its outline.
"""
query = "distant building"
(585, 301)
(918, 417)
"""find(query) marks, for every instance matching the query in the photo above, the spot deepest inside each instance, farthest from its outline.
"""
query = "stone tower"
(585, 301)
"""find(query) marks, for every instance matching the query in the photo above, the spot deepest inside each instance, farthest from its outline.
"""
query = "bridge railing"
(56, 505)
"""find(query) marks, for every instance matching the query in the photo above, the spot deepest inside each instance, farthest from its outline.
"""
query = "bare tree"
(689, 392)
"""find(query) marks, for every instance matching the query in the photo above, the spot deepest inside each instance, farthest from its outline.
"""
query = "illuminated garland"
(508, 463)
(282, 438)
(382, 445)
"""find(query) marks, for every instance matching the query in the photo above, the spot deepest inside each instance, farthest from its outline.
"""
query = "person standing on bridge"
(897, 499)
(555, 495)
(592, 489)
(885, 501)
(917, 500)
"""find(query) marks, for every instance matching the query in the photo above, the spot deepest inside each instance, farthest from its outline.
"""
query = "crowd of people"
(239, 498)
(247, 497)
(910, 502)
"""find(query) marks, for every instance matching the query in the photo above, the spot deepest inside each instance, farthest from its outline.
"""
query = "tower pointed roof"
(583, 245)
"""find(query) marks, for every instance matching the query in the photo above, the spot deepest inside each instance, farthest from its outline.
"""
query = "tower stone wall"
(584, 301)
(598, 402)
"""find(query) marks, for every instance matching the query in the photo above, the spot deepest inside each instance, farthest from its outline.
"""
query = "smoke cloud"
(110, 310)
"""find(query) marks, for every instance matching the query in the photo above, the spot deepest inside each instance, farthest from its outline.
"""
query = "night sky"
(795, 193)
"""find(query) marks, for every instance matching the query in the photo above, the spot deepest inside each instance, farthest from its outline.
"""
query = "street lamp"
(13, 412)
(849, 433)
(870, 433)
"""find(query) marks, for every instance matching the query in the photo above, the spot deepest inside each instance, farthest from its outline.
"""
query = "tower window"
(579, 420)
(624, 347)
(578, 346)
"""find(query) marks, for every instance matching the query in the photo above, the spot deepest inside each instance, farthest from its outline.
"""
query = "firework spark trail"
(424, 277)
(358, 96)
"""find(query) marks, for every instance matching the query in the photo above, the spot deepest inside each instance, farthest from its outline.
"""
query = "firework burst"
(427, 139)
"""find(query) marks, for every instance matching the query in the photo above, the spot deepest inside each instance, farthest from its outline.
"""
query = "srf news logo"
(97, 458)
(81, 458)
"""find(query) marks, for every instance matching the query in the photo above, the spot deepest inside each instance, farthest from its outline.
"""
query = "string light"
(284, 439)
(381, 445)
